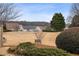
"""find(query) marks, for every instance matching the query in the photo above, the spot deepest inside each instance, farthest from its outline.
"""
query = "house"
(26, 26)
(33, 26)
(12, 26)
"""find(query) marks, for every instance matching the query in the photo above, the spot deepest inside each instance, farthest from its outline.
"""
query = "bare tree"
(39, 36)
(75, 21)
(74, 14)
(7, 12)
(69, 19)
(75, 9)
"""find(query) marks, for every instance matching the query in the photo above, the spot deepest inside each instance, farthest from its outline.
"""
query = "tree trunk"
(1, 36)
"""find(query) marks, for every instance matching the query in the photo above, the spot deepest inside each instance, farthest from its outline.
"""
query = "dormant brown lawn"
(14, 38)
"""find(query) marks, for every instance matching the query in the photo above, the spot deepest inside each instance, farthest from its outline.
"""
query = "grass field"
(14, 38)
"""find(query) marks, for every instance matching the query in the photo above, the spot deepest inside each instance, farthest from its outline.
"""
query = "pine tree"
(58, 22)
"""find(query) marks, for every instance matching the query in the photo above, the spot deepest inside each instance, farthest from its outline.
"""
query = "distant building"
(35, 26)
(26, 26)
(32, 28)
(12, 26)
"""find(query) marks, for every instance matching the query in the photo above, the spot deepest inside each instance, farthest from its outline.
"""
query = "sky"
(42, 11)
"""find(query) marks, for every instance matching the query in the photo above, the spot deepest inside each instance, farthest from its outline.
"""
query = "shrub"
(69, 40)
(42, 52)
(25, 45)
(49, 52)
(11, 50)
(29, 49)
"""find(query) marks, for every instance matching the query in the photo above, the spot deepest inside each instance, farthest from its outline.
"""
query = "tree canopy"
(8, 12)
(75, 15)
(58, 22)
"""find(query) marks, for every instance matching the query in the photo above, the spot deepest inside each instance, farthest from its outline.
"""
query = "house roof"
(32, 27)
(35, 23)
